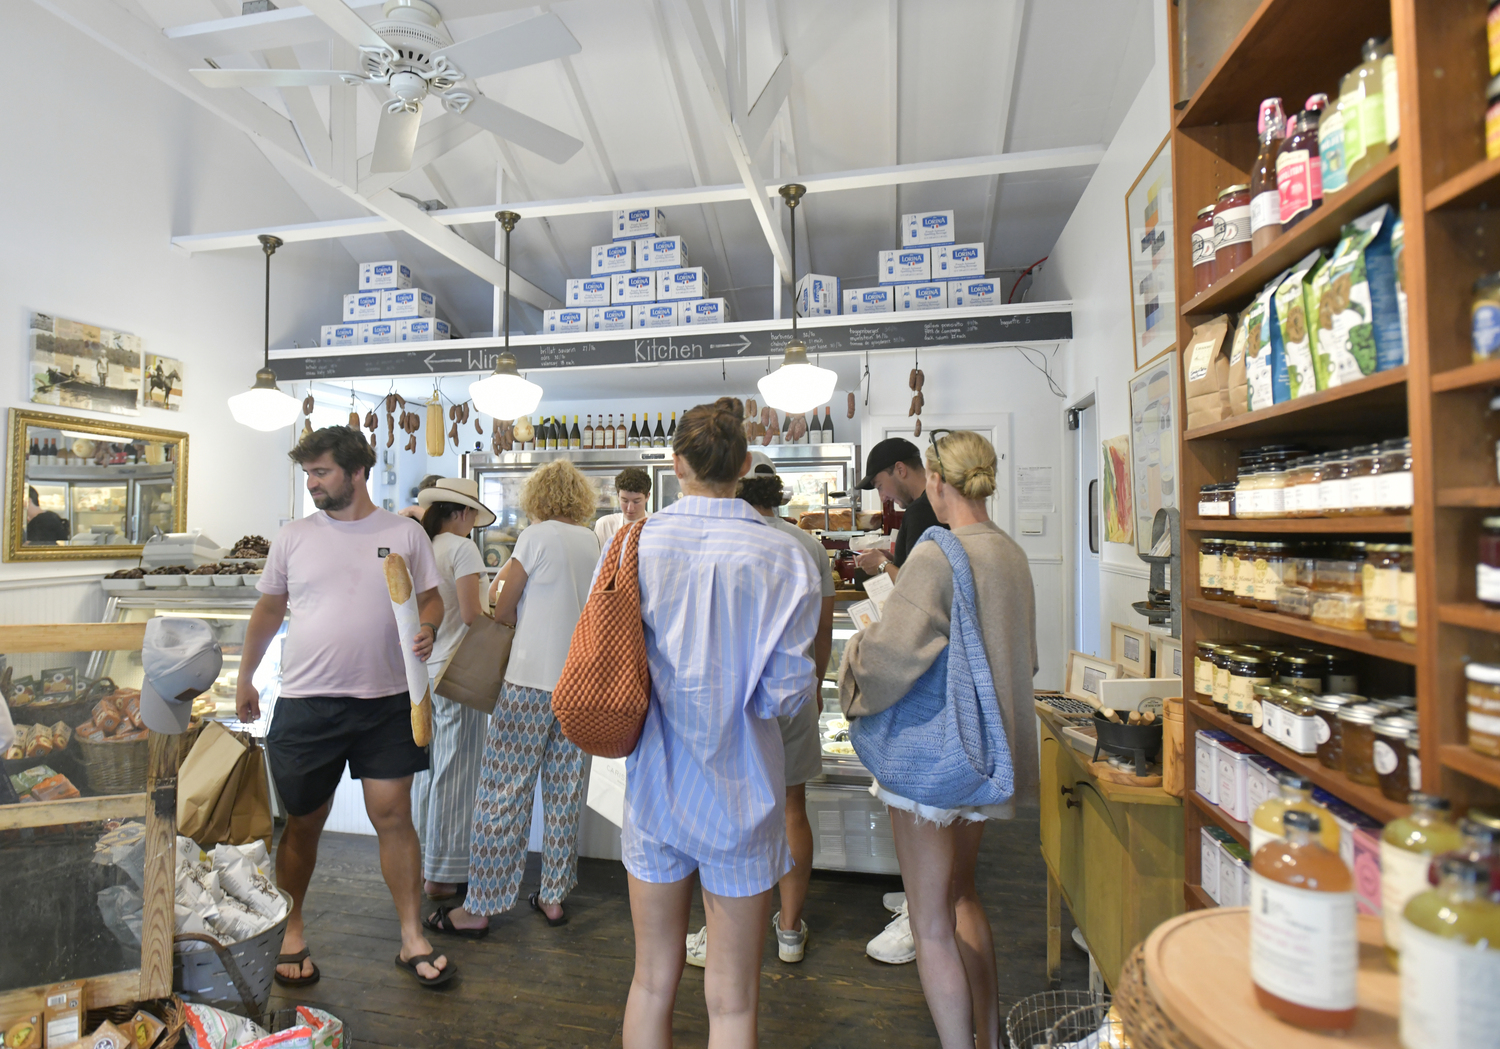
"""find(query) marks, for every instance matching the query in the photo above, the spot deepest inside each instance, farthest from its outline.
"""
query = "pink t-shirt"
(342, 639)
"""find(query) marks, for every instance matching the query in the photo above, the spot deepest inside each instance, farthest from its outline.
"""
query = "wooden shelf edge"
(1479, 496)
(1395, 651)
(1219, 818)
(1313, 401)
(1294, 525)
(1368, 800)
(1459, 758)
(1466, 187)
(1195, 898)
(1470, 614)
(1483, 373)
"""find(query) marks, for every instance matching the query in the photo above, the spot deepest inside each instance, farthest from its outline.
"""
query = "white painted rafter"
(1002, 132)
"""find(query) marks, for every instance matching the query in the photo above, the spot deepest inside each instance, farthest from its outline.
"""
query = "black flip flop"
(438, 921)
(535, 899)
(410, 965)
(297, 959)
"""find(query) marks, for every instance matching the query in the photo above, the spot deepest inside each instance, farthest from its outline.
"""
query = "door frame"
(1070, 501)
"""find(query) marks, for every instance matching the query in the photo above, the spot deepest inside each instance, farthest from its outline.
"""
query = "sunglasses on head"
(932, 437)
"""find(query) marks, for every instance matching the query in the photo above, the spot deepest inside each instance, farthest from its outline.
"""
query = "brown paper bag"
(473, 676)
(1206, 371)
(250, 818)
(212, 770)
(1247, 330)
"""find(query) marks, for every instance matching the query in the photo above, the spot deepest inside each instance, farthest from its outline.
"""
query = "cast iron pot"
(1141, 742)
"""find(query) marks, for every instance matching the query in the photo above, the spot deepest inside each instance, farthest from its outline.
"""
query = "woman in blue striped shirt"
(729, 617)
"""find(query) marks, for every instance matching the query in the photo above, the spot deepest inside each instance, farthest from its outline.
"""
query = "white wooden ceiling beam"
(304, 112)
(1002, 133)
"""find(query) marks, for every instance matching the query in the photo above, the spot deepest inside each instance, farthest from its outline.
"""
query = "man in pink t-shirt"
(343, 685)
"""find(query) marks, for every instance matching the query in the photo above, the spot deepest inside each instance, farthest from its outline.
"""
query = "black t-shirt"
(46, 527)
(916, 520)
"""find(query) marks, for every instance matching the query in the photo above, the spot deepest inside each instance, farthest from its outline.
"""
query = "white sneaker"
(790, 945)
(697, 947)
(893, 901)
(894, 946)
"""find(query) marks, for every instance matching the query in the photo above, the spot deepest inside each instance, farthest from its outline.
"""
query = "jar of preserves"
(1298, 722)
(1203, 672)
(1244, 580)
(1203, 250)
(1393, 484)
(1273, 487)
(1231, 230)
(1245, 504)
(1359, 743)
(1223, 656)
(1246, 670)
(1487, 572)
(1339, 675)
(1265, 708)
(1210, 569)
(1301, 492)
(1229, 568)
(1364, 465)
(1270, 570)
(1390, 756)
(1483, 681)
(1330, 732)
(1211, 502)
(1382, 586)
(1484, 317)
(1406, 608)
(1333, 486)
(1302, 671)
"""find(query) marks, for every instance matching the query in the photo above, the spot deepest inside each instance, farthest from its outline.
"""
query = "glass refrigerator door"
(805, 485)
(500, 490)
(152, 509)
(100, 509)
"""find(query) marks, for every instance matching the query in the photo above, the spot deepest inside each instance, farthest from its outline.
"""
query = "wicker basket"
(235, 977)
(116, 766)
(1145, 1023)
(1030, 1021)
(72, 713)
(168, 1010)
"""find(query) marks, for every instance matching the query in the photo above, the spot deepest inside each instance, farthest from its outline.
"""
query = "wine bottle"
(659, 438)
(575, 436)
(52, 452)
(622, 439)
(609, 433)
(634, 440)
(672, 430)
(552, 433)
(34, 456)
(827, 425)
(588, 433)
(815, 429)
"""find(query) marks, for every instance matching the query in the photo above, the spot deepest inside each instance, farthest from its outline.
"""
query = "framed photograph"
(1148, 222)
(163, 383)
(77, 365)
(1168, 657)
(1153, 444)
(1131, 648)
(1084, 672)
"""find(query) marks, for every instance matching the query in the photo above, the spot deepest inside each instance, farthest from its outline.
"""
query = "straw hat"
(461, 490)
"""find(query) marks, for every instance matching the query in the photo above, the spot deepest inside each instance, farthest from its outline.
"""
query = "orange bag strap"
(622, 573)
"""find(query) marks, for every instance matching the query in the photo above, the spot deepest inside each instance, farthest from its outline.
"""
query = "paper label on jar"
(1394, 490)
(1385, 758)
(1242, 693)
(1303, 944)
(1407, 606)
(1484, 329)
(1221, 686)
(1244, 580)
(1265, 210)
(1321, 731)
(1334, 494)
(1362, 491)
(1208, 571)
(1270, 720)
(1448, 998)
(1300, 734)
(1382, 594)
(1268, 576)
(1203, 254)
(1489, 583)
(1231, 226)
(1203, 676)
(1294, 184)
(1484, 724)
(1403, 874)
(1414, 768)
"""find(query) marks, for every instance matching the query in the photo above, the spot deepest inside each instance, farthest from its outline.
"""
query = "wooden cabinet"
(1114, 854)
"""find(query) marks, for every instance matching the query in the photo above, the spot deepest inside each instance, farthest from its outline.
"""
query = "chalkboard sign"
(671, 344)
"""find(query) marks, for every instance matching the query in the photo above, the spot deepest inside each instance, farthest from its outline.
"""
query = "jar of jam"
(1302, 671)
(1359, 743)
(1270, 570)
(1229, 568)
(1484, 707)
(1244, 579)
(1330, 731)
(1246, 670)
(1301, 495)
(1210, 569)
(1392, 769)
(1406, 608)
(1364, 465)
(1231, 230)
(1339, 675)
(1203, 250)
(1203, 672)
(1267, 712)
(1382, 586)
(1393, 484)
(1223, 657)
(1487, 572)
(1333, 487)
(1209, 502)
(1298, 721)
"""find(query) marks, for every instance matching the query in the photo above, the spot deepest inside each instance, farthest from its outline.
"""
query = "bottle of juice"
(1407, 846)
(1295, 792)
(1265, 199)
(1365, 83)
(1299, 173)
(1304, 947)
(1331, 147)
(1450, 972)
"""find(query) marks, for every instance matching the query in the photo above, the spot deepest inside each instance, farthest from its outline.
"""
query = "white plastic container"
(958, 261)
(608, 259)
(927, 229)
(609, 318)
(362, 306)
(817, 296)
(402, 303)
(905, 266)
(378, 276)
(339, 335)
(965, 294)
(560, 322)
(704, 311)
(656, 315)
(931, 296)
(680, 285)
(869, 300)
(630, 289)
(377, 333)
(661, 253)
(583, 292)
(422, 329)
(634, 223)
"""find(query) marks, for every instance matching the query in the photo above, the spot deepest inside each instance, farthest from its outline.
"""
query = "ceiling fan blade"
(538, 39)
(346, 23)
(395, 140)
(542, 139)
(269, 77)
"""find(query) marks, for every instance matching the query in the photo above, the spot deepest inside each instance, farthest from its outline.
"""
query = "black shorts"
(312, 737)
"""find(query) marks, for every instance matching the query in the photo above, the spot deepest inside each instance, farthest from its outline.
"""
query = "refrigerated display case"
(108, 504)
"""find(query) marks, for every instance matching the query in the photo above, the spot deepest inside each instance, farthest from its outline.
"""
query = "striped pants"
(524, 742)
(442, 799)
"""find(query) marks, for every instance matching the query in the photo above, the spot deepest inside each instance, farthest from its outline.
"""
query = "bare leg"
(296, 859)
(928, 856)
(793, 884)
(388, 803)
(731, 981)
(976, 944)
(659, 913)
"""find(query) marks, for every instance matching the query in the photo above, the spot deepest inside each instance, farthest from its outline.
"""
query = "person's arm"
(823, 647)
(883, 661)
(507, 597)
(430, 612)
(468, 598)
(265, 621)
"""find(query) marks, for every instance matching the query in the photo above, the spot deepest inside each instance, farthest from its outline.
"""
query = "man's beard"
(335, 500)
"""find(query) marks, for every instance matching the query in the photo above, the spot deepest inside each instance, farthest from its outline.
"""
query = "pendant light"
(505, 395)
(797, 386)
(264, 406)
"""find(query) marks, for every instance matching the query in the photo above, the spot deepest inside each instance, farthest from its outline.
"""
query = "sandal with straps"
(410, 965)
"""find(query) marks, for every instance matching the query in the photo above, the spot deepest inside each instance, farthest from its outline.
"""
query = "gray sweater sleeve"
(882, 662)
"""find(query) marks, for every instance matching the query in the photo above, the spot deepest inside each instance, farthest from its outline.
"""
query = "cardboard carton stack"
(385, 309)
(927, 272)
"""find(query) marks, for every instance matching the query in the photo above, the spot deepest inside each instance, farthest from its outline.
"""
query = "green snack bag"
(1292, 315)
(1398, 260)
(1265, 371)
(1359, 323)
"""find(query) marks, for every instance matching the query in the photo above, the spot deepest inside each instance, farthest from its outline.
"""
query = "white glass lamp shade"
(505, 395)
(264, 406)
(797, 386)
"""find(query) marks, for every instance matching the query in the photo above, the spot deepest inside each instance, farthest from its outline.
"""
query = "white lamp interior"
(798, 388)
(505, 396)
(264, 409)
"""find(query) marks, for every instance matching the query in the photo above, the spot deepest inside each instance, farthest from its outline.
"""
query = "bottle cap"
(1299, 820)
(1316, 103)
(1418, 800)
(1293, 781)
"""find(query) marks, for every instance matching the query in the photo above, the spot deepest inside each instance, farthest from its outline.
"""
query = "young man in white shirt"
(633, 486)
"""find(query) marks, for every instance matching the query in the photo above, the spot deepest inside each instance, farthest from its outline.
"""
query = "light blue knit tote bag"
(943, 743)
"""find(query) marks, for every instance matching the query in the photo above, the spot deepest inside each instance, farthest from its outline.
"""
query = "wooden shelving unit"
(1439, 179)
(1217, 816)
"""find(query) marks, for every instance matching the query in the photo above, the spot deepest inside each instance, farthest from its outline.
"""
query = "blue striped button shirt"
(729, 617)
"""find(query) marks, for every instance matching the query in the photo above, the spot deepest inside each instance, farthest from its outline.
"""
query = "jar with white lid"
(1393, 484)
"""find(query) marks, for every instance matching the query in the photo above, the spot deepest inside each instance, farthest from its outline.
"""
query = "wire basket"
(168, 1010)
(231, 976)
(1030, 1021)
(115, 766)
(1089, 1027)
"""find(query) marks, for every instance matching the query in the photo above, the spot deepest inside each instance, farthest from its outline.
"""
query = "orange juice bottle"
(1304, 948)
(1295, 792)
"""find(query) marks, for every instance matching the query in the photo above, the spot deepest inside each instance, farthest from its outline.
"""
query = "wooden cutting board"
(1198, 970)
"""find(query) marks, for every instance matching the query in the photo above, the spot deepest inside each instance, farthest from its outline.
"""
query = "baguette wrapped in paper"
(408, 623)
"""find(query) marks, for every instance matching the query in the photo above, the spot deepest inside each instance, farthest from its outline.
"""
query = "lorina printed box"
(676, 285)
(629, 289)
(869, 300)
(608, 259)
(922, 297)
(966, 293)
(377, 276)
(953, 261)
(817, 296)
(377, 333)
(339, 335)
(656, 315)
(927, 229)
(421, 329)
(583, 292)
(633, 223)
(401, 303)
(661, 253)
(906, 266)
(705, 311)
(609, 318)
(566, 321)
(362, 306)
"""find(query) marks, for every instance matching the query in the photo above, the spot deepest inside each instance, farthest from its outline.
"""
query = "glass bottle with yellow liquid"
(1294, 792)
(1450, 970)
(1362, 100)
(1304, 944)
(1407, 846)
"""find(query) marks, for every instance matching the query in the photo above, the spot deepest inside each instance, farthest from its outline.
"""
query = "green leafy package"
(1292, 313)
(1359, 328)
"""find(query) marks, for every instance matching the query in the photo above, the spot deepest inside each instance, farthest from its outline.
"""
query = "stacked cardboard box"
(386, 309)
(927, 272)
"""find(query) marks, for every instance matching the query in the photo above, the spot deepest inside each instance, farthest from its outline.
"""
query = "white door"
(1087, 527)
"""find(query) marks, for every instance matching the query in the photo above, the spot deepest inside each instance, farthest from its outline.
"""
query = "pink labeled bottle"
(1265, 198)
(1299, 168)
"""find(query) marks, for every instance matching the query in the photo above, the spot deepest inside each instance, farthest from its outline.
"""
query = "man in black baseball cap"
(894, 468)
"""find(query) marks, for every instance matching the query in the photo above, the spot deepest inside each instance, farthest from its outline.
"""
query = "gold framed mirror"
(85, 489)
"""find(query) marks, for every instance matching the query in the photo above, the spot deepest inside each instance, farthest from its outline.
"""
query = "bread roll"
(397, 578)
(421, 720)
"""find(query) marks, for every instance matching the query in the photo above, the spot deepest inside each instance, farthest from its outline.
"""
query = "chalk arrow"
(739, 347)
(430, 361)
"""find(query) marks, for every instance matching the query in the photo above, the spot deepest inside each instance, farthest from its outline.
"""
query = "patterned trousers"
(442, 799)
(524, 742)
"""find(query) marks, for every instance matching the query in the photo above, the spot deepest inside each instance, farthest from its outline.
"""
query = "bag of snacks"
(1206, 371)
(1359, 320)
(1296, 334)
(1398, 264)
(1238, 394)
(210, 1028)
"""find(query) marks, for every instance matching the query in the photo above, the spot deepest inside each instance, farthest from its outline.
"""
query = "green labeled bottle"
(1407, 847)
(1450, 960)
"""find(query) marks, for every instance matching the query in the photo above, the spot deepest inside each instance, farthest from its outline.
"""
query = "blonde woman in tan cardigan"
(938, 848)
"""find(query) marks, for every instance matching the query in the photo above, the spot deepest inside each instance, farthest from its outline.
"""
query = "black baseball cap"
(885, 455)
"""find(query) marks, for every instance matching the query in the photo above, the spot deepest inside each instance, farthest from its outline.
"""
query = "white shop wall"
(1089, 265)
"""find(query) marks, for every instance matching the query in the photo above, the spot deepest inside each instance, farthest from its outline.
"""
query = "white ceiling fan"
(411, 53)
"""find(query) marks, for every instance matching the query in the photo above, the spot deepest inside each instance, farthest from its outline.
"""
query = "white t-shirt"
(456, 557)
(559, 560)
(606, 527)
(815, 549)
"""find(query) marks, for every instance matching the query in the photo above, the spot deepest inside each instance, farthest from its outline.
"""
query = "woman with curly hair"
(541, 590)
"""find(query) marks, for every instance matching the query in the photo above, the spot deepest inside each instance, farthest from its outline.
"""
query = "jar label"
(1334, 494)
(1294, 183)
(1407, 607)
(1258, 715)
(1273, 501)
(1242, 693)
(1322, 732)
(1331, 150)
(1244, 579)
(1306, 684)
(1447, 990)
(1414, 767)
(1485, 329)
(1203, 252)
(1303, 944)
(1489, 583)
(1362, 492)
(1203, 676)
(1385, 758)
(1268, 577)
(1383, 594)
(1403, 874)
(1483, 724)
(1300, 734)
(1221, 686)
(1208, 571)
(1394, 490)
(1270, 722)
(1265, 210)
(1231, 226)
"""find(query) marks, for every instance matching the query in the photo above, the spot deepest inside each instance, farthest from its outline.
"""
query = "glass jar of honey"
(1203, 672)
(1223, 656)
(1330, 731)
(1359, 743)
(1393, 484)
(1382, 591)
(1210, 568)
(1390, 756)
(1300, 497)
(1270, 570)
(1244, 580)
(1364, 464)
(1246, 670)
(1407, 606)
(1333, 487)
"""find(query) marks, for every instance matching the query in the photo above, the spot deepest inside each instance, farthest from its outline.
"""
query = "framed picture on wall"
(1153, 443)
(1148, 223)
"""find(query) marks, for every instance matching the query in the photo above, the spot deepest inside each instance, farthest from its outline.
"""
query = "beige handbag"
(473, 676)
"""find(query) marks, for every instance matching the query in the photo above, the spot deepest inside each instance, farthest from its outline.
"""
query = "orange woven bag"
(601, 698)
